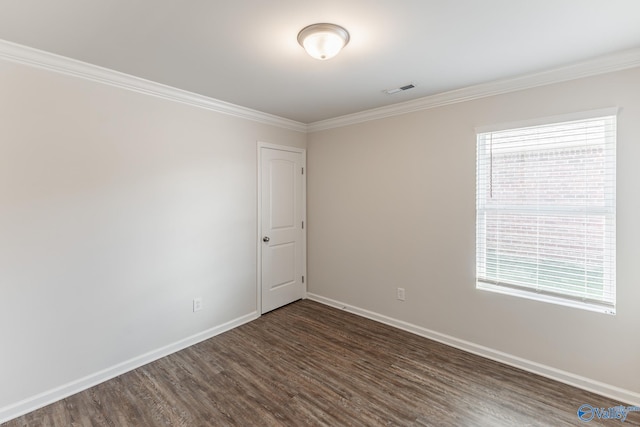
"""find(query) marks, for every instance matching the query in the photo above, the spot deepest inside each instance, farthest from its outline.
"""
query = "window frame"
(530, 293)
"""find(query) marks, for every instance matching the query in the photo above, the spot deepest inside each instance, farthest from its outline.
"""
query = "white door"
(282, 228)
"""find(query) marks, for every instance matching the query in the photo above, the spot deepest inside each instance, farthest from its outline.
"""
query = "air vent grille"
(400, 89)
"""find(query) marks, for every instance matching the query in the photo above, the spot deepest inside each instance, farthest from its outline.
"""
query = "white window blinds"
(545, 203)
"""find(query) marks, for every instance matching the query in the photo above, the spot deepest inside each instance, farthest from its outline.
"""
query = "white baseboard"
(43, 399)
(613, 392)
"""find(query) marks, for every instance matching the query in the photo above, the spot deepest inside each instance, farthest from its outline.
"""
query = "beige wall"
(116, 210)
(391, 203)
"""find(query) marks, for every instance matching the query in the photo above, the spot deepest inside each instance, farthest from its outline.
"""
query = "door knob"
(265, 239)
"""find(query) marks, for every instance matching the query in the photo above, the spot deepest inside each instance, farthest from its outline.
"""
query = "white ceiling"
(245, 51)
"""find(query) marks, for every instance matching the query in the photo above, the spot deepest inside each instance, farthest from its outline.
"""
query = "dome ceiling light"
(323, 41)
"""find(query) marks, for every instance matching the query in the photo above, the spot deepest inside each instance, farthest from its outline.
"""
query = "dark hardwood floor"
(308, 364)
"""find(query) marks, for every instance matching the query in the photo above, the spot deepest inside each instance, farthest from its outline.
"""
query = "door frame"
(260, 146)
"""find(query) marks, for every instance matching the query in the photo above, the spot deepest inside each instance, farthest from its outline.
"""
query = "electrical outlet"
(400, 294)
(197, 304)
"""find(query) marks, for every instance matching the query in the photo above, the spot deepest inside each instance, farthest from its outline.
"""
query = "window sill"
(545, 298)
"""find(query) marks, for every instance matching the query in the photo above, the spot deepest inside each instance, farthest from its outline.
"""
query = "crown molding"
(49, 61)
(605, 64)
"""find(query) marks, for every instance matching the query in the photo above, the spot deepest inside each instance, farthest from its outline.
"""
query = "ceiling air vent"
(399, 89)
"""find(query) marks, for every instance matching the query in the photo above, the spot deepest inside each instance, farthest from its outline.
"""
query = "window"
(545, 199)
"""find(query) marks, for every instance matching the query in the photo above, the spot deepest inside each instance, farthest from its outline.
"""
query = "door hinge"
(302, 171)
(302, 279)
(303, 225)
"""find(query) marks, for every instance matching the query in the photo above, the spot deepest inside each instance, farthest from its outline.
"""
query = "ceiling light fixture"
(323, 41)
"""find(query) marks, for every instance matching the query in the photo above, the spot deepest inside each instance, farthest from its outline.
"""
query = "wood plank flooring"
(310, 365)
